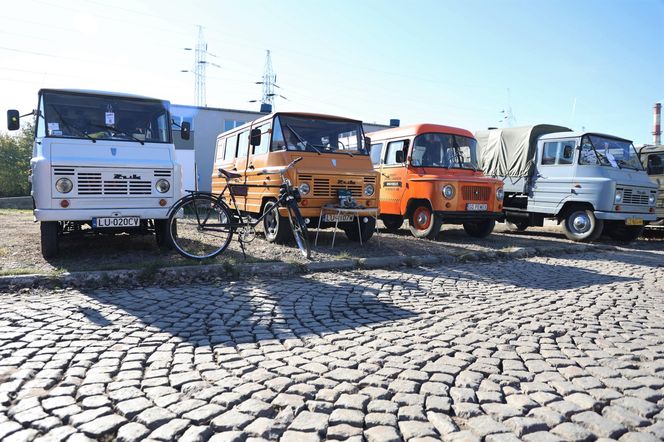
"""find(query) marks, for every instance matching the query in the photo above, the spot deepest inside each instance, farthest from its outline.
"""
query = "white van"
(101, 163)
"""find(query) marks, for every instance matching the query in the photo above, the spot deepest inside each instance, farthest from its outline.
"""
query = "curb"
(219, 272)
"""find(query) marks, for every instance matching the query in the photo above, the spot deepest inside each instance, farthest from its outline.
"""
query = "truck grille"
(117, 182)
(475, 193)
(635, 197)
(325, 187)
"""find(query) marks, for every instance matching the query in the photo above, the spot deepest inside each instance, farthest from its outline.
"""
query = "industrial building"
(196, 155)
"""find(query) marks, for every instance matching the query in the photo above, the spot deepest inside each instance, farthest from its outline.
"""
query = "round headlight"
(304, 188)
(500, 194)
(162, 186)
(651, 199)
(369, 189)
(618, 197)
(448, 191)
(64, 185)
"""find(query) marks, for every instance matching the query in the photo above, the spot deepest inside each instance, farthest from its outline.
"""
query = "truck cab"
(102, 163)
(591, 183)
(429, 176)
(652, 159)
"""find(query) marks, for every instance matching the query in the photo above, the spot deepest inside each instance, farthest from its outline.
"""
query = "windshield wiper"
(304, 142)
(70, 126)
(119, 132)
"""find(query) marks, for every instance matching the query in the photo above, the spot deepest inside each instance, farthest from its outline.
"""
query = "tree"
(15, 155)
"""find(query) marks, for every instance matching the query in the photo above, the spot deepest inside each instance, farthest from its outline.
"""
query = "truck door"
(241, 165)
(258, 160)
(554, 176)
(393, 177)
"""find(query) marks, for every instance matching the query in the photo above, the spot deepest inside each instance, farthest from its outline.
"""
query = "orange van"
(429, 176)
(335, 158)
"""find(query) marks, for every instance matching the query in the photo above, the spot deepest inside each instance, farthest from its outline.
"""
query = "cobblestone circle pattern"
(539, 349)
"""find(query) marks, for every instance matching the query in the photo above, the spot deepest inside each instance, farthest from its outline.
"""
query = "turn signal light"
(617, 208)
(652, 210)
(304, 203)
(162, 202)
(448, 205)
(368, 203)
(64, 204)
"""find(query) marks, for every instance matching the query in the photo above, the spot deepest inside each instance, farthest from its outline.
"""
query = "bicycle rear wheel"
(299, 227)
(200, 227)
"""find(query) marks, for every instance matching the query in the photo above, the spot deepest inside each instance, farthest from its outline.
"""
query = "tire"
(582, 226)
(161, 234)
(423, 223)
(517, 226)
(299, 228)
(364, 232)
(624, 233)
(479, 229)
(200, 227)
(49, 235)
(392, 222)
(276, 227)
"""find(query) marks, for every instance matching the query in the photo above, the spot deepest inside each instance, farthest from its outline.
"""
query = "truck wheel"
(479, 229)
(49, 231)
(392, 222)
(277, 228)
(518, 226)
(424, 223)
(161, 233)
(581, 225)
(366, 230)
(624, 233)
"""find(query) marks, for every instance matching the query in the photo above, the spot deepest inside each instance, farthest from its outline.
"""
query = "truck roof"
(98, 92)
(578, 134)
(417, 129)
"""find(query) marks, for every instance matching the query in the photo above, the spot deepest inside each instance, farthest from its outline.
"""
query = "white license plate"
(333, 218)
(116, 222)
(634, 221)
(480, 207)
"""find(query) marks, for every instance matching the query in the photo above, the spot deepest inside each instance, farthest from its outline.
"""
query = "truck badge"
(114, 151)
(119, 176)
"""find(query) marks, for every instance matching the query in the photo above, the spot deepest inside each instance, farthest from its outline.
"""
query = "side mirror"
(185, 130)
(13, 119)
(367, 143)
(400, 157)
(255, 137)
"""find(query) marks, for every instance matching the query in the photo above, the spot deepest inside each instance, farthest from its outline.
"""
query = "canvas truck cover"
(510, 152)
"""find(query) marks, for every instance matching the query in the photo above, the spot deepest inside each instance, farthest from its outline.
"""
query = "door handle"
(251, 167)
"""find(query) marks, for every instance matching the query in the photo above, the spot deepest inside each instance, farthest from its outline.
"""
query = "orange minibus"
(429, 176)
(335, 159)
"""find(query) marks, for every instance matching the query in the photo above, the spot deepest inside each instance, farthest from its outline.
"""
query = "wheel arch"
(571, 206)
(414, 202)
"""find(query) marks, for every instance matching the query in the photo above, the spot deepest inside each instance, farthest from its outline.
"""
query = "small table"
(355, 211)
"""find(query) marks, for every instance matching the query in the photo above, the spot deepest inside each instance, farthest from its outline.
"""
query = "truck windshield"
(444, 150)
(318, 135)
(603, 151)
(104, 117)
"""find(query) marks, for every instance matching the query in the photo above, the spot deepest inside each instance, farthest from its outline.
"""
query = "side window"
(221, 144)
(231, 143)
(392, 149)
(567, 153)
(278, 142)
(265, 140)
(588, 155)
(376, 153)
(655, 164)
(41, 124)
(550, 153)
(243, 144)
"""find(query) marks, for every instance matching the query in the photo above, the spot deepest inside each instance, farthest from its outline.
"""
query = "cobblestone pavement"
(540, 349)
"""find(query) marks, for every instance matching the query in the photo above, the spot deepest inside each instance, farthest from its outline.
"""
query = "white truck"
(590, 183)
(101, 163)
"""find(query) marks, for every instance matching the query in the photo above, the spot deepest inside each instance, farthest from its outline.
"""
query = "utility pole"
(200, 64)
(269, 82)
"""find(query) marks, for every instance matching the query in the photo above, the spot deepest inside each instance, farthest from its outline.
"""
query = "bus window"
(229, 153)
(392, 149)
(376, 153)
(265, 140)
(243, 144)
(278, 142)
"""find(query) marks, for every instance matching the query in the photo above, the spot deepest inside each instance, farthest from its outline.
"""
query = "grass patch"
(20, 271)
(15, 211)
(4, 251)
(344, 255)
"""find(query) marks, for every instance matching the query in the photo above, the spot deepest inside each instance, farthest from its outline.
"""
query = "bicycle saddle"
(229, 175)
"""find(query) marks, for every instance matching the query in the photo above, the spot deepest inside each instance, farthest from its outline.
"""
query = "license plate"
(115, 222)
(471, 206)
(333, 218)
(634, 221)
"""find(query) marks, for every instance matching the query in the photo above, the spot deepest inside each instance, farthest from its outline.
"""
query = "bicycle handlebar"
(279, 170)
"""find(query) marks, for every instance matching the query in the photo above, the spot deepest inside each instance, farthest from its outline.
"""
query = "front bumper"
(88, 214)
(622, 216)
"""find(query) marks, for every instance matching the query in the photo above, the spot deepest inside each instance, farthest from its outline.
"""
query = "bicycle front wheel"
(299, 227)
(200, 227)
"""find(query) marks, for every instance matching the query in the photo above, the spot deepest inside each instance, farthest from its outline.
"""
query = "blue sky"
(592, 64)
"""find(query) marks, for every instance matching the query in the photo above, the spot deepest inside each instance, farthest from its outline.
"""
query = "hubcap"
(422, 218)
(581, 223)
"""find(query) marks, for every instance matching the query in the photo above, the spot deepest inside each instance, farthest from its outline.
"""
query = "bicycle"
(201, 224)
